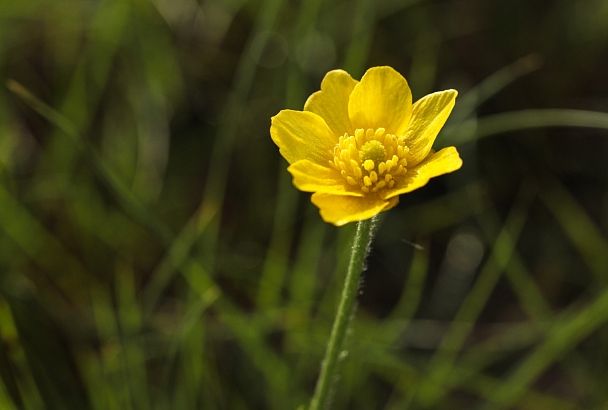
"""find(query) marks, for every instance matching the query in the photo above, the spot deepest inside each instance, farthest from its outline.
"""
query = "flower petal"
(302, 135)
(311, 177)
(381, 100)
(340, 210)
(331, 102)
(428, 117)
(442, 162)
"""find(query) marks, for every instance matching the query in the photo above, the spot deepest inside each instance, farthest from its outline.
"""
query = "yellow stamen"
(370, 159)
(373, 176)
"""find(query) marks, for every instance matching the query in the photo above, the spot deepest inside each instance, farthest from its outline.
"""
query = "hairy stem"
(344, 314)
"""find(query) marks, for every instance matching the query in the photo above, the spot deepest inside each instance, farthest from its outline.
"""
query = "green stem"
(345, 312)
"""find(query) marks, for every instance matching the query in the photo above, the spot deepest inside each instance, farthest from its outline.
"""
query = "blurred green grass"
(153, 253)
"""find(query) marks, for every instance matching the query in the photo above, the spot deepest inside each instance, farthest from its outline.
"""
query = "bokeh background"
(154, 255)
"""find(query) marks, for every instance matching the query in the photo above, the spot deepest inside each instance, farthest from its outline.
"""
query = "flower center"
(370, 159)
(373, 150)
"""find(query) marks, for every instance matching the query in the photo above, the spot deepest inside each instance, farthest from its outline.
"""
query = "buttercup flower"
(358, 145)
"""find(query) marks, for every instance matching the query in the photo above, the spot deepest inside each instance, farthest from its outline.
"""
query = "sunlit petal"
(331, 102)
(442, 162)
(340, 210)
(381, 99)
(428, 117)
(312, 177)
(302, 135)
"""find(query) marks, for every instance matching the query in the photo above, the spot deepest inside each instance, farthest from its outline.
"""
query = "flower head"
(358, 145)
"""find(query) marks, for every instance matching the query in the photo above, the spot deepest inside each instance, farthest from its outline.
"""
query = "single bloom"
(358, 145)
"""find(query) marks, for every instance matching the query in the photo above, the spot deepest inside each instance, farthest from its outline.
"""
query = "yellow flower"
(358, 145)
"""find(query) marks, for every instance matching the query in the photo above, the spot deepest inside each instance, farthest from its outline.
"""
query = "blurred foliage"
(153, 253)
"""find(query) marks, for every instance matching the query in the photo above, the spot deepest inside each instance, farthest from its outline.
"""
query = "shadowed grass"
(475, 301)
